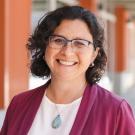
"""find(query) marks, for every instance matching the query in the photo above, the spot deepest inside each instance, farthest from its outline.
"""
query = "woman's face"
(70, 62)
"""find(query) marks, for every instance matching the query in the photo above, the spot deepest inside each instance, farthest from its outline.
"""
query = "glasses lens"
(56, 41)
(80, 43)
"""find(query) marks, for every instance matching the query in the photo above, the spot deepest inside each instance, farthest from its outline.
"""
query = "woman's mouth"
(66, 63)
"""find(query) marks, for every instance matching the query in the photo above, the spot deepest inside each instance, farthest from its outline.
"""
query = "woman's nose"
(68, 49)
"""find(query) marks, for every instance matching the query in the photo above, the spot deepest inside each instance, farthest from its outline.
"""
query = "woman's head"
(38, 42)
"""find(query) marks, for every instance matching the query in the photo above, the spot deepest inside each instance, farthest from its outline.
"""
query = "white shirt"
(47, 113)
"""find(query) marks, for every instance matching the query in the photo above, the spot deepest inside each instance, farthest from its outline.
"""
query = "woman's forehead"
(73, 28)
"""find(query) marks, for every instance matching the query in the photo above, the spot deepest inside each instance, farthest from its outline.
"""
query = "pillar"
(89, 4)
(121, 49)
(15, 26)
(2, 42)
(121, 39)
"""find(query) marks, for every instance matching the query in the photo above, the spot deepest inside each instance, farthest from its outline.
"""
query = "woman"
(68, 47)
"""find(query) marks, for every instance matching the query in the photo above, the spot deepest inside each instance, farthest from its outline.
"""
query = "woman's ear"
(95, 53)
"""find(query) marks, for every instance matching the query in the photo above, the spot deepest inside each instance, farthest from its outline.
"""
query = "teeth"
(68, 63)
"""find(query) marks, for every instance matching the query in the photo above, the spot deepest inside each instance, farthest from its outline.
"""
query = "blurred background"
(18, 20)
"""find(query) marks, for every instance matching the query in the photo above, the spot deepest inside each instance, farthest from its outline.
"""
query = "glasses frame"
(67, 41)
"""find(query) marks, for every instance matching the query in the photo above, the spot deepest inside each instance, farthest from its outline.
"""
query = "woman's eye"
(79, 44)
(58, 40)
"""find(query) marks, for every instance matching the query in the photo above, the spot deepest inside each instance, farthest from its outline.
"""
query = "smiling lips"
(66, 63)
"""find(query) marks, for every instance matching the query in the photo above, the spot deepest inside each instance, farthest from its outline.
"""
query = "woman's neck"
(63, 92)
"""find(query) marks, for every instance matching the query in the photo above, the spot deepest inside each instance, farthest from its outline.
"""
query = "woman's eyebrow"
(59, 35)
(70, 39)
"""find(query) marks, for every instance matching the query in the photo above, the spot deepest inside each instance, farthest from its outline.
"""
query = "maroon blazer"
(100, 113)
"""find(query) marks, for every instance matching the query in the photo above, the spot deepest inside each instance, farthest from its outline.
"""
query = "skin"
(64, 86)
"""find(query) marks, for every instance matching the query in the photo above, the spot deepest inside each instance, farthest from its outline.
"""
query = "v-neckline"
(81, 117)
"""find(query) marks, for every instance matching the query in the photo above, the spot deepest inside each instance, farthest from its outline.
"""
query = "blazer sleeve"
(9, 113)
(125, 120)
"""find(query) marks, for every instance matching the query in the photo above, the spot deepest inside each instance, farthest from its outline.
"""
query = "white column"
(52, 4)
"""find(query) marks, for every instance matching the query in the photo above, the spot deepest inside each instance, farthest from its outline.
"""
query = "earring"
(91, 65)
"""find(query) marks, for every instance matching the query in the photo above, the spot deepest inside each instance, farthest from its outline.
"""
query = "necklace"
(57, 121)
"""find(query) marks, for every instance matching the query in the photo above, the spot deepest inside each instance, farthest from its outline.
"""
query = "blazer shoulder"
(111, 102)
(29, 94)
(108, 97)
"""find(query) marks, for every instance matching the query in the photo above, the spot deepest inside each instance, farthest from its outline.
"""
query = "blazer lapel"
(32, 110)
(87, 102)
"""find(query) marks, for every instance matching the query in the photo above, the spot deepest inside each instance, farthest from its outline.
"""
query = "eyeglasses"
(58, 42)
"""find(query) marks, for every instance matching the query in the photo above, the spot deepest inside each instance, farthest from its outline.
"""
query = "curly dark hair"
(38, 41)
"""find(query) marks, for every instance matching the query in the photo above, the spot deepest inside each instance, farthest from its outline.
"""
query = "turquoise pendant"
(56, 122)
